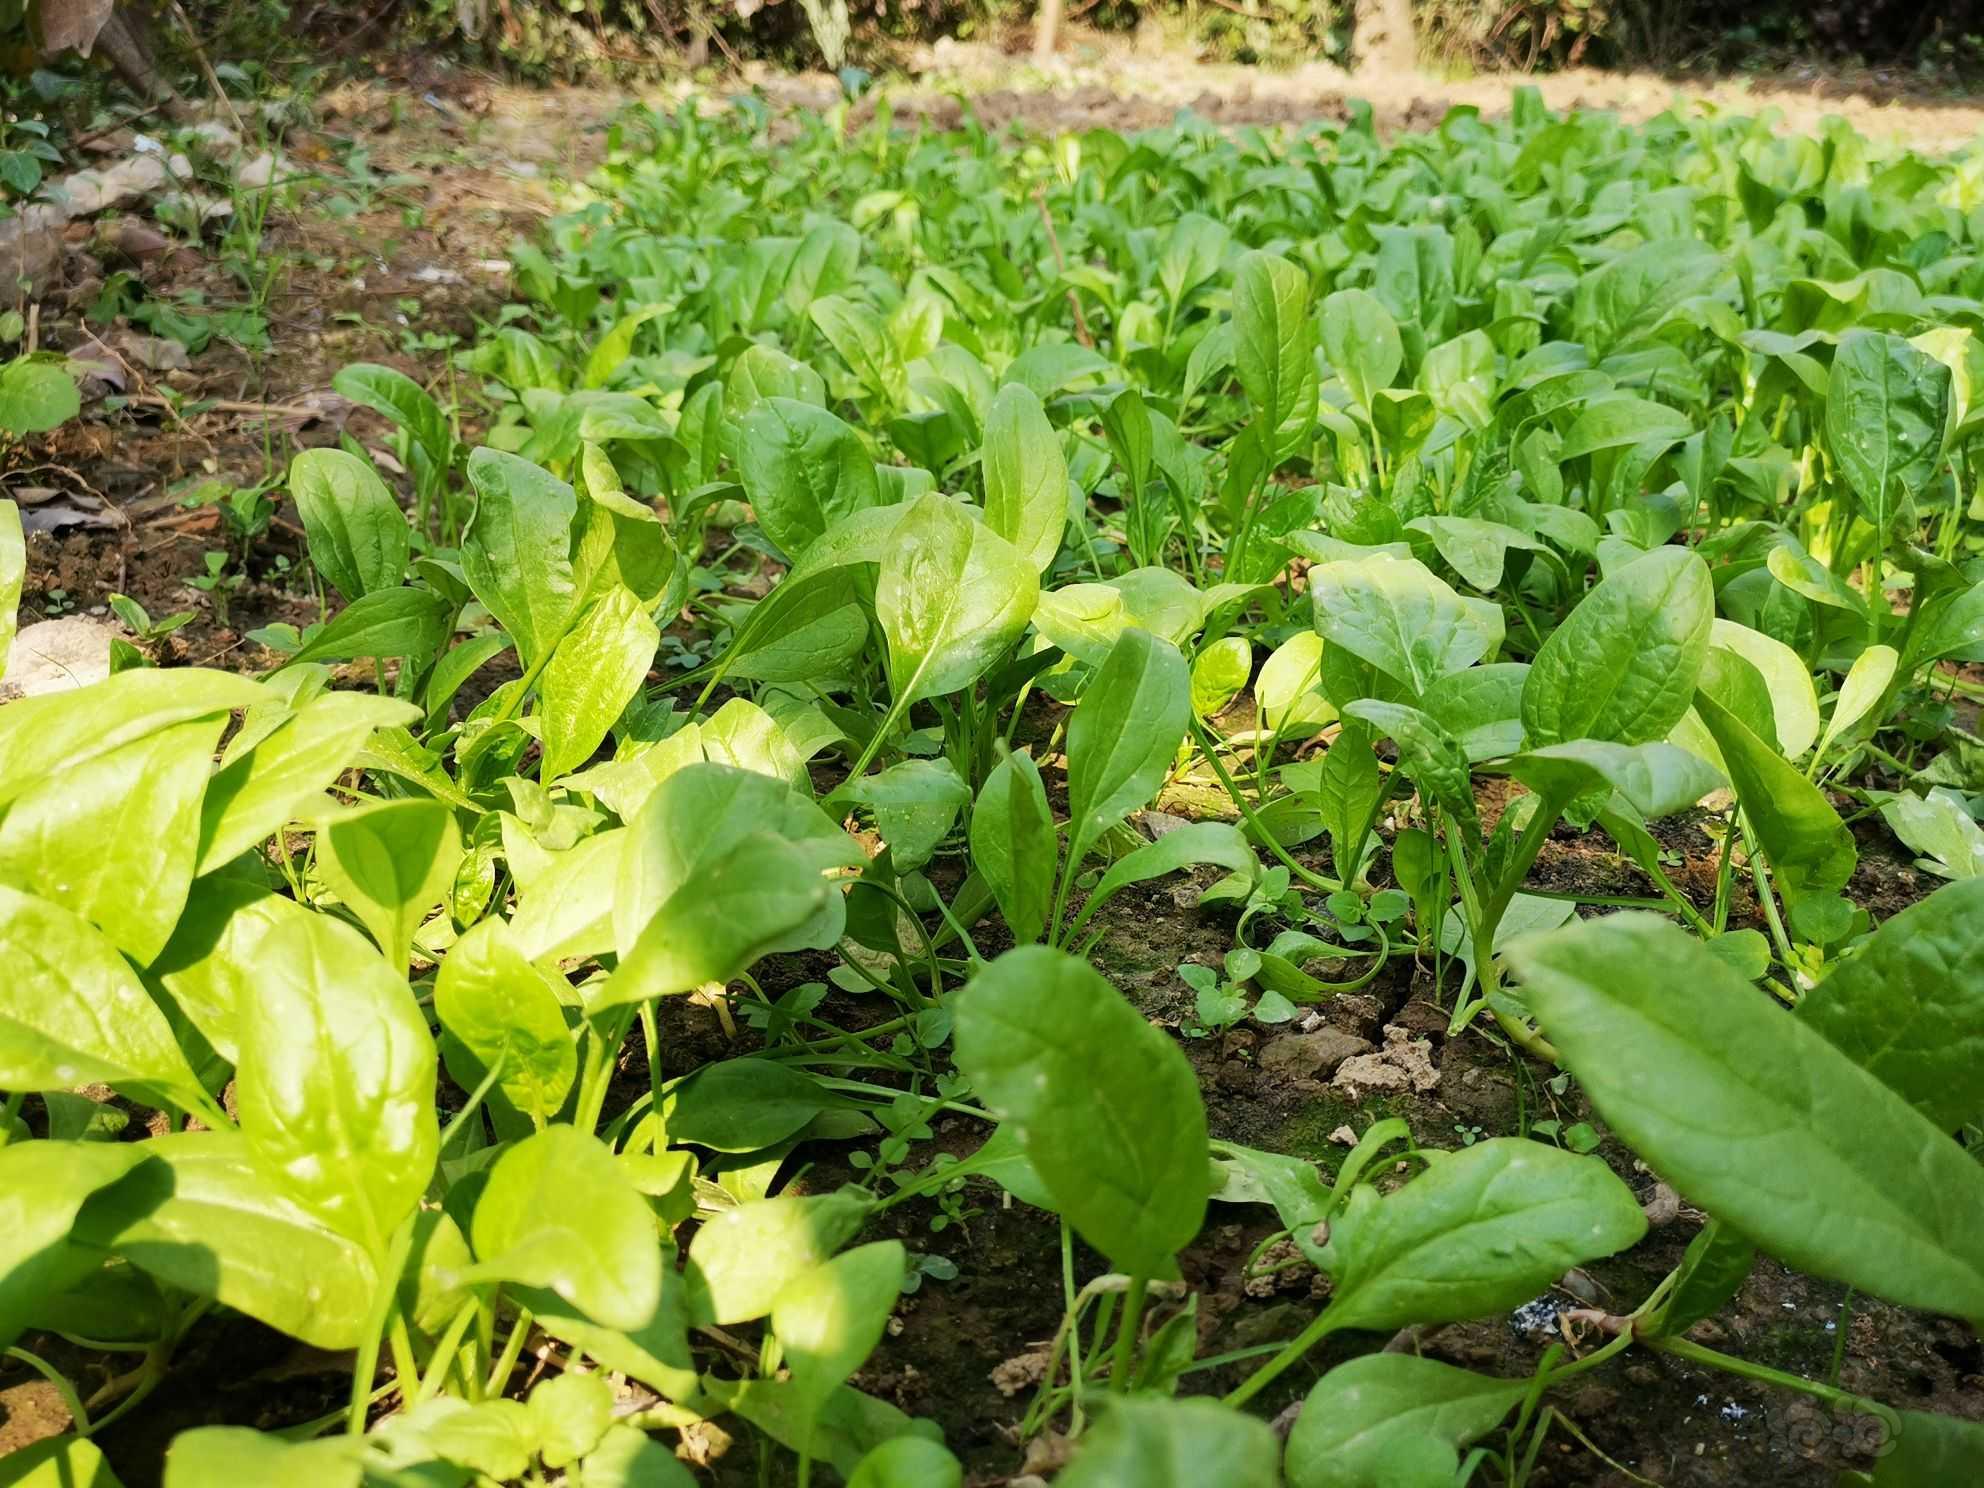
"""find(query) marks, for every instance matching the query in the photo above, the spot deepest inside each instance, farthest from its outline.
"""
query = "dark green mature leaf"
(1623, 665)
(1909, 1006)
(36, 396)
(1717, 1263)
(1402, 618)
(72, 1012)
(1396, 1420)
(1013, 845)
(1106, 1107)
(1609, 423)
(1026, 476)
(1887, 406)
(952, 595)
(43, 1186)
(357, 534)
(1755, 1116)
(1274, 348)
(516, 553)
(116, 838)
(558, 1212)
(506, 1013)
(336, 1082)
(1480, 1231)
(1427, 752)
(803, 470)
(1158, 1443)
(1810, 849)
(1124, 735)
(384, 623)
(1481, 707)
(1931, 1452)
(744, 1105)
(1360, 339)
(205, 1218)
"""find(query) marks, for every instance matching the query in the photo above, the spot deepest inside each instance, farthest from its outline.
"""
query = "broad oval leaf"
(596, 671)
(357, 534)
(1394, 1421)
(952, 595)
(1482, 1230)
(1106, 1107)
(516, 553)
(1026, 476)
(1622, 667)
(742, 1259)
(43, 1186)
(804, 470)
(391, 862)
(829, 1319)
(1887, 407)
(336, 1080)
(1123, 735)
(558, 1212)
(506, 1013)
(1013, 845)
(1402, 618)
(1755, 1116)
(1158, 1443)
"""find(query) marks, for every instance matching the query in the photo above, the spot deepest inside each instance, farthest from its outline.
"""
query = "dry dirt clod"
(1304, 1056)
(1403, 1064)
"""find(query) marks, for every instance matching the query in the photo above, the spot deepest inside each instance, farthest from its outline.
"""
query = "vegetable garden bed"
(997, 804)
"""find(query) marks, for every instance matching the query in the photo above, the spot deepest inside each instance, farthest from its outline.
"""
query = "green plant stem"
(1260, 832)
(474, 1104)
(1694, 1353)
(383, 1302)
(1126, 1334)
(60, 1381)
(9, 1114)
(513, 1348)
(1291, 1354)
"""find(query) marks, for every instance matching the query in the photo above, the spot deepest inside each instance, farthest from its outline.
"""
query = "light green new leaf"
(1755, 1116)
(1940, 827)
(208, 1455)
(1394, 1421)
(1622, 667)
(1157, 1443)
(1402, 618)
(1616, 422)
(36, 396)
(1198, 842)
(208, 1221)
(1656, 779)
(1794, 701)
(257, 793)
(115, 839)
(908, 1462)
(209, 965)
(627, 1457)
(65, 1462)
(558, 1212)
(1288, 689)
(829, 1319)
(1013, 845)
(72, 1013)
(952, 595)
(516, 553)
(1909, 1006)
(592, 676)
(1865, 685)
(1026, 476)
(569, 1414)
(1482, 1230)
(1124, 735)
(43, 1186)
(1219, 671)
(1106, 1107)
(357, 534)
(390, 863)
(40, 736)
(336, 1080)
(741, 1260)
(506, 1013)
